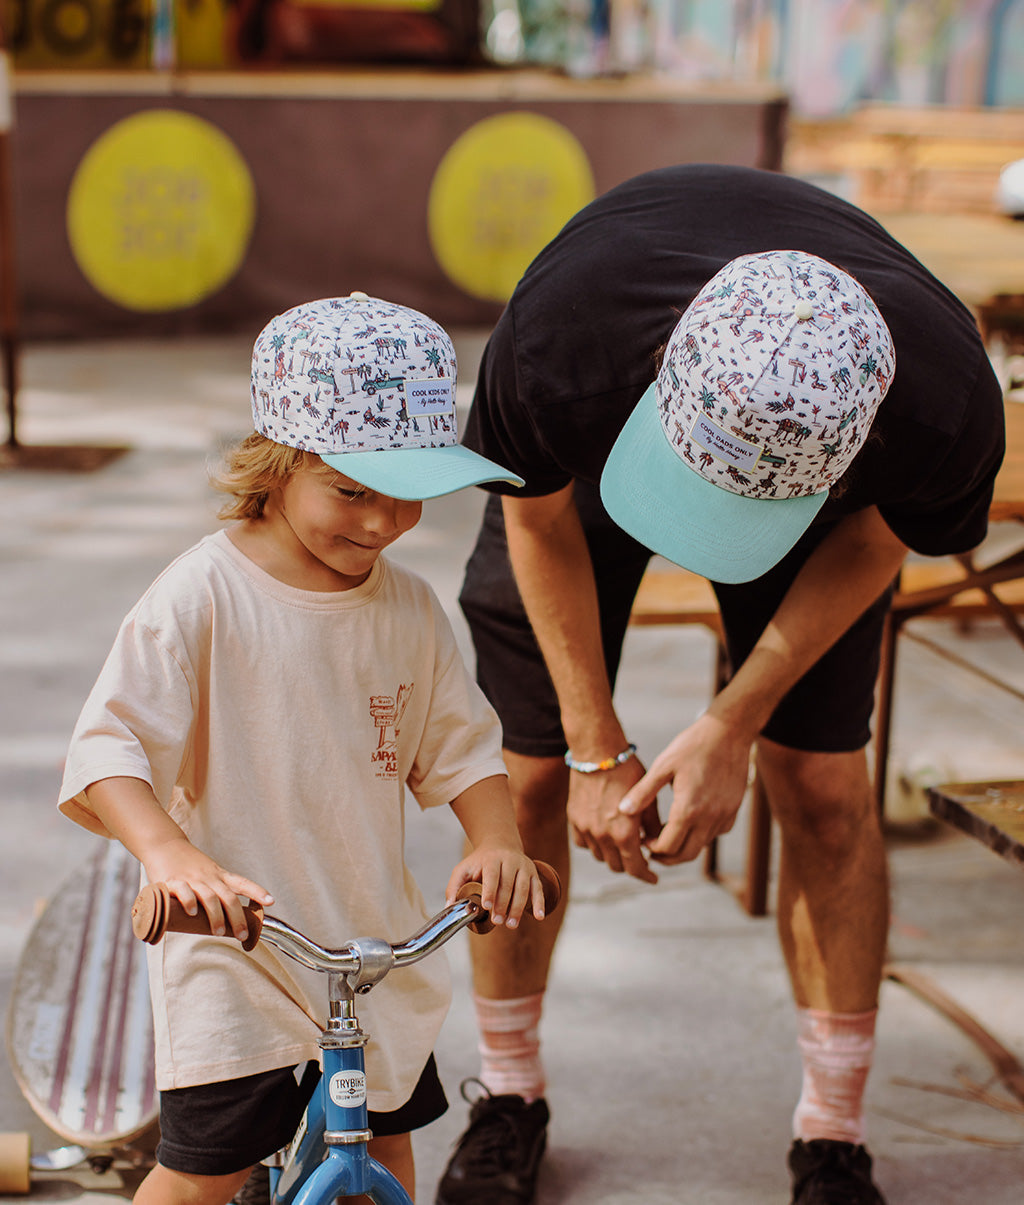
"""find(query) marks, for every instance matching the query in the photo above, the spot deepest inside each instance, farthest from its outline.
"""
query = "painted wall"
(831, 54)
(212, 208)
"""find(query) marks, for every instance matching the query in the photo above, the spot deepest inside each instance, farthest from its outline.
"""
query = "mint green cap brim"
(656, 497)
(415, 474)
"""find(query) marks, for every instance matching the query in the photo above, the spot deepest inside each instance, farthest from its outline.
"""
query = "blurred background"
(194, 166)
(175, 172)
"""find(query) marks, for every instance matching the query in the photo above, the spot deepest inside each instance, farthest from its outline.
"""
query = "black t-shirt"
(576, 346)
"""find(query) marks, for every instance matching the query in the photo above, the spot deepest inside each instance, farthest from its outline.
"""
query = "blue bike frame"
(335, 1121)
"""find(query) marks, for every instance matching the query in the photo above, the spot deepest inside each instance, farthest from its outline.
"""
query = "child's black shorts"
(827, 711)
(218, 1129)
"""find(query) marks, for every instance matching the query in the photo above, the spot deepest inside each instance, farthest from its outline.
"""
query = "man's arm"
(555, 576)
(707, 763)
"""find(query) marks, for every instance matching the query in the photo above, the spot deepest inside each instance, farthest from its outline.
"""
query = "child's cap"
(768, 388)
(351, 378)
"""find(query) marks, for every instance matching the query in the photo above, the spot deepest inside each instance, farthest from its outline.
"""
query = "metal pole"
(8, 292)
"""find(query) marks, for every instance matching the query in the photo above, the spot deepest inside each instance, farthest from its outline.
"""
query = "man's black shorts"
(827, 711)
(218, 1129)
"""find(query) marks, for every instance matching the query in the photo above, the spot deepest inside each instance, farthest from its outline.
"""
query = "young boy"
(264, 707)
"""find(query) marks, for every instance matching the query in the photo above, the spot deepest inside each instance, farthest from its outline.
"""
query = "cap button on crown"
(803, 310)
(357, 296)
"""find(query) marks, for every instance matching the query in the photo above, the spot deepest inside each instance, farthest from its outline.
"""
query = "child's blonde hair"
(252, 470)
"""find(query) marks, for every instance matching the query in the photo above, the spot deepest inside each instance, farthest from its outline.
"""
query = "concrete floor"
(669, 1034)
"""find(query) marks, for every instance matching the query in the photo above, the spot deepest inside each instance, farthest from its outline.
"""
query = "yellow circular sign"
(160, 211)
(502, 191)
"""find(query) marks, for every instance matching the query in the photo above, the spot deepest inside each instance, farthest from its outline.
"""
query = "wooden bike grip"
(550, 881)
(156, 911)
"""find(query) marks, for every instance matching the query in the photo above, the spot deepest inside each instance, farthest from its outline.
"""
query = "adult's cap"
(369, 386)
(767, 390)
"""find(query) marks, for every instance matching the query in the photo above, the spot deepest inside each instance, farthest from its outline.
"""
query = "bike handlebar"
(156, 911)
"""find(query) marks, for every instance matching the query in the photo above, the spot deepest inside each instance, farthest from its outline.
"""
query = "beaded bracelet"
(594, 767)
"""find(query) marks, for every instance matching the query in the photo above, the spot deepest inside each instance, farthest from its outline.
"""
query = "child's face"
(331, 529)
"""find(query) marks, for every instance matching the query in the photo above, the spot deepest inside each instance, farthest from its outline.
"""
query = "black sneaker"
(832, 1173)
(497, 1159)
(256, 1190)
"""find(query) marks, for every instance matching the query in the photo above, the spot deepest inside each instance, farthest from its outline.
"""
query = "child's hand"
(509, 880)
(196, 880)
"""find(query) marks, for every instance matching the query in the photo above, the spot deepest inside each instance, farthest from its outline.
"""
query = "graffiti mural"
(830, 54)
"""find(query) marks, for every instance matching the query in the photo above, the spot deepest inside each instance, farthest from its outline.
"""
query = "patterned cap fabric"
(768, 388)
(351, 378)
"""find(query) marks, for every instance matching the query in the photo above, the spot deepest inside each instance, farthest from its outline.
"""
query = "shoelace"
(488, 1142)
(841, 1177)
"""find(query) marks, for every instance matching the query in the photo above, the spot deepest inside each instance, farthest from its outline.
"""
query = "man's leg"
(496, 1160)
(833, 917)
(508, 963)
(498, 1157)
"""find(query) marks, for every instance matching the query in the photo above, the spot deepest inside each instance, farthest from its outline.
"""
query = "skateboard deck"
(79, 1027)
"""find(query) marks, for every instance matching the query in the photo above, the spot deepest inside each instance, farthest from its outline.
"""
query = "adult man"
(877, 463)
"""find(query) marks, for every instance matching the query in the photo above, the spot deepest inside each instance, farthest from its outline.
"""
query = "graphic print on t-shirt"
(387, 712)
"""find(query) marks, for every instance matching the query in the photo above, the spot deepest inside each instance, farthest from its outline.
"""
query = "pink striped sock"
(509, 1046)
(837, 1049)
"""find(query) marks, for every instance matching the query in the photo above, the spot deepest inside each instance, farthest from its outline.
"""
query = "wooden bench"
(930, 174)
(926, 159)
(945, 587)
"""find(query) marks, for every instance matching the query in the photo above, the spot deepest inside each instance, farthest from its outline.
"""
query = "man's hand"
(599, 825)
(708, 767)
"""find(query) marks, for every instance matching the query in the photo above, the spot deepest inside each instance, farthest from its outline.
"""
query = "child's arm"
(131, 812)
(509, 879)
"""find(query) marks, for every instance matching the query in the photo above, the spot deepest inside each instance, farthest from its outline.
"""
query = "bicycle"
(328, 1156)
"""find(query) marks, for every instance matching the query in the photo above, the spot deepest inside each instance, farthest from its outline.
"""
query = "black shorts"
(218, 1129)
(827, 711)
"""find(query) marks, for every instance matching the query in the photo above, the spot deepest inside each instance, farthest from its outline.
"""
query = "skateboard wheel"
(15, 1150)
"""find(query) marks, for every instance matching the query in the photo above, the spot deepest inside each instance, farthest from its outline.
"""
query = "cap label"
(429, 397)
(723, 445)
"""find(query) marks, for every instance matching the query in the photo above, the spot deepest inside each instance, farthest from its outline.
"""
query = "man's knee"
(823, 798)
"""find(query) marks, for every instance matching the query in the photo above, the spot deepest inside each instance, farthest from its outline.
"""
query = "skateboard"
(80, 1031)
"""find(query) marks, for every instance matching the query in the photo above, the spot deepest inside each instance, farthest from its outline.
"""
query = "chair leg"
(721, 677)
(759, 852)
(883, 710)
(752, 890)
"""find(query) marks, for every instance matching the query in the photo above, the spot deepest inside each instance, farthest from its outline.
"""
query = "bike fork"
(337, 1119)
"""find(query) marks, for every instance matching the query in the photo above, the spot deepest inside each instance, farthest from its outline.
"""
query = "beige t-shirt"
(280, 728)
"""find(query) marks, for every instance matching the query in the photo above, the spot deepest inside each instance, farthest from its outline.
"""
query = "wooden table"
(991, 812)
(1008, 498)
